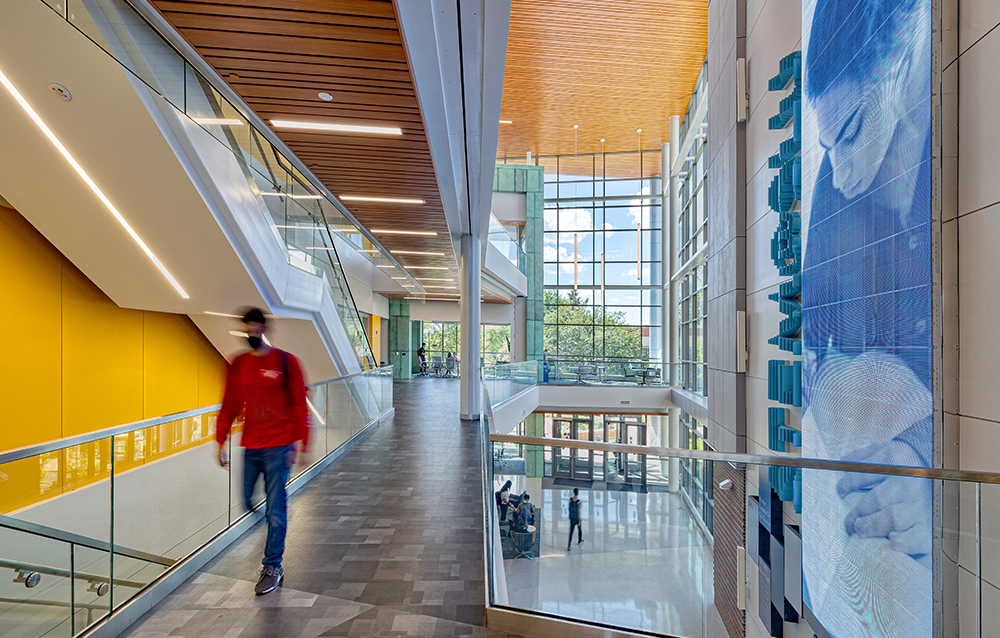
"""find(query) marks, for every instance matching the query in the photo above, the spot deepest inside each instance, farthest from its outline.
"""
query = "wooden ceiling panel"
(278, 55)
(609, 67)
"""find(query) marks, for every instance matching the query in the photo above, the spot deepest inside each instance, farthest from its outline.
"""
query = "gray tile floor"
(387, 542)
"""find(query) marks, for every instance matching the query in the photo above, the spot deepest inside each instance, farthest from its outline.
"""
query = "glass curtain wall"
(602, 253)
(696, 475)
(443, 337)
(692, 229)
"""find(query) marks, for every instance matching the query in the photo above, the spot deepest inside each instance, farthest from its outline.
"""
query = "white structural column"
(519, 330)
(469, 332)
(674, 427)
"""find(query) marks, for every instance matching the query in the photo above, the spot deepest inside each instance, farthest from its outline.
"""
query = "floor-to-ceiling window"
(443, 337)
(602, 252)
(692, 244)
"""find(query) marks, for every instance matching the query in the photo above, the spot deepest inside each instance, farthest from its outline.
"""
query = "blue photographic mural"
(867, 391)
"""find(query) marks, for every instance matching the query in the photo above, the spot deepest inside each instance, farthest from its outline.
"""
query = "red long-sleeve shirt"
(274, 413)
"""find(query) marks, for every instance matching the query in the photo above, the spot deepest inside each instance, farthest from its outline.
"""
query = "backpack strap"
(284, 375)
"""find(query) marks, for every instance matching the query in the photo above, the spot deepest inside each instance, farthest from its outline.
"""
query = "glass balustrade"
(849, 548)
(507, 244)
(503, 381)
(311, 229)
(86, 523)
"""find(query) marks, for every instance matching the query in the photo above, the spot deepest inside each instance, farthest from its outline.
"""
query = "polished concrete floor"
(643, 564)
(387, 542)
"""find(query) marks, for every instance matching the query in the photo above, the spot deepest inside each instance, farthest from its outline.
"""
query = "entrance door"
(571, 462)
(621, 467)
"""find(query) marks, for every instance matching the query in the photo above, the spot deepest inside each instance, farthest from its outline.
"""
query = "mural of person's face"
(856, 126)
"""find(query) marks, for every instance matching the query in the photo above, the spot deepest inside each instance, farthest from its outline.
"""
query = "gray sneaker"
(270, 579)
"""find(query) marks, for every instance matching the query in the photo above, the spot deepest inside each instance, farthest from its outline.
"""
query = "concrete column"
(471, 287)
(674, 439)
(519, 331)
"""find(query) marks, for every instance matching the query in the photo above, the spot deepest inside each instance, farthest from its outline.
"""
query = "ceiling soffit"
(610, 67)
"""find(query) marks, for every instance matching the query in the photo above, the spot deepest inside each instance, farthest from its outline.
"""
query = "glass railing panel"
(153, 505)
(507, 245)
(93, 597)
(33, 600)
(828, 548)
(115, 27)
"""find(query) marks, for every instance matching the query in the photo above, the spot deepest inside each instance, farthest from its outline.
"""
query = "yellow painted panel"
(102, 358)
(211, 375)
(170, 364)
(31, 379)
(375, 336)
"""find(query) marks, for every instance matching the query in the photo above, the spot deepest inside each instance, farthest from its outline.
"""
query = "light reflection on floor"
(643, 564)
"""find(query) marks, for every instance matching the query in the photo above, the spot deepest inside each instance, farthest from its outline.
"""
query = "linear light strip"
(86, 178)
(383, 200)
(403, 232)
(337, 128)
(415, 252)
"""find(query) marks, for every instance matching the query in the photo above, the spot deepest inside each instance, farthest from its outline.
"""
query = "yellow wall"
(374, 329)
(76, 362)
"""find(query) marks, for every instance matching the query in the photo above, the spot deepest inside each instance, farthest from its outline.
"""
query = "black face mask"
(254, 342)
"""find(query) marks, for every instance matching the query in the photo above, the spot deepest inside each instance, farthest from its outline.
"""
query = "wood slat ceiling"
(606, 65)
(278, 55)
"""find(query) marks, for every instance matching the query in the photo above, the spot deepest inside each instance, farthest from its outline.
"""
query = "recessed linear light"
(404, 232)
(427, 267)
(385, 266)
(442, 287)
(383, 200)
(93, 186)
(431, 279)
(398, 278)
(506, 122)
(429, 299)
(415, 252)
(222, 314)
(292, 196)
(218, 121)
(335, 127)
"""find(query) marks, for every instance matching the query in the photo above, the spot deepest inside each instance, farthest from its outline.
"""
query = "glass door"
(571, 462)
(562, 461)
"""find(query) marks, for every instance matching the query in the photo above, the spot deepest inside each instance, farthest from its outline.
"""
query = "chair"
(436, 364)
(449, 366)
(523, 542)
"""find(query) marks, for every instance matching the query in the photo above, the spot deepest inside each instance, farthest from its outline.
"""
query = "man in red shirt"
(266, 386)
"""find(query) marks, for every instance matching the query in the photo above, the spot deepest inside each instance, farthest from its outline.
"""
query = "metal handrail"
(65, 573)
(80, 439)
(53, 603)
(44, 531)
(754, 459)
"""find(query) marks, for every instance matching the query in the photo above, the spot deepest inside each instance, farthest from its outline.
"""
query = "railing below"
(850, 548)
(135, 501)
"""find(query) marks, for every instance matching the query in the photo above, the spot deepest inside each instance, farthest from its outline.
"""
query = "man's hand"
(290, 460)
(894, 507)
(223, 455)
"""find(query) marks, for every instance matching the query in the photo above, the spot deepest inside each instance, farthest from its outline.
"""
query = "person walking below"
(574, 519)
(265, 386)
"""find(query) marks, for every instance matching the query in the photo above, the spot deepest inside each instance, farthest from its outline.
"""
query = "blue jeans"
(273, 462)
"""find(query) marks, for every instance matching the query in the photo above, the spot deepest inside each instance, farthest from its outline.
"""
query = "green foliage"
(574, 328)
